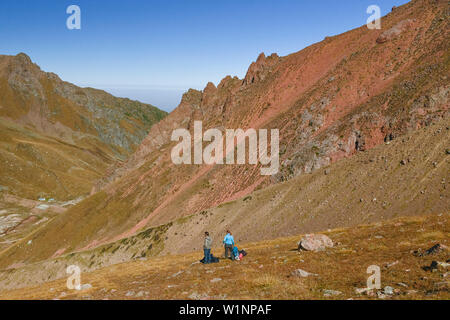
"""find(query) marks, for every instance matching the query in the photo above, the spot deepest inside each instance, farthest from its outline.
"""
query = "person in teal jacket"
(228, 242)
(235, 253)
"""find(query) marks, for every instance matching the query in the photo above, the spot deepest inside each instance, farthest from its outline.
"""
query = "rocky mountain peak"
(23, 58)
(257, 70)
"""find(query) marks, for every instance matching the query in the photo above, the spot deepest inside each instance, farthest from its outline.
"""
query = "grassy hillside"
(35, 165)
(266, 272)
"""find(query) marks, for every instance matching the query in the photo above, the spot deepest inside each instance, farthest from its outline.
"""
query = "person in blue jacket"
(228, 242)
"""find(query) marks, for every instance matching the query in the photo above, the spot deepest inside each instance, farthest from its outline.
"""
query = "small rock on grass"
(302, 273)
(367, 291)
(329, 293)
(443, 285)
(141, 293)
(176, 274)
(86, 286)
(388, 290)
(197, 296)
(361, 290)
(388, 265)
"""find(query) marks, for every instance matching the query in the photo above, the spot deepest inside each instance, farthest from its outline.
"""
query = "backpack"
(212, 260)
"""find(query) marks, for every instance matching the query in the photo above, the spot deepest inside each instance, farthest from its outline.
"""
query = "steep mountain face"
(332, 100)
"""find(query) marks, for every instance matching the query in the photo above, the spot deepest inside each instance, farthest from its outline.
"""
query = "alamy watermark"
(374, 21)
(74, 20)
(374, 280)
(74, 280)
(235, 140)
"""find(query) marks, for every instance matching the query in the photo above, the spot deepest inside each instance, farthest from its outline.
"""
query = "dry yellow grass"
(266, 272)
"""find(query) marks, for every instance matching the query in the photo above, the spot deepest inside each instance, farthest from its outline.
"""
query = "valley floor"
(267, 271)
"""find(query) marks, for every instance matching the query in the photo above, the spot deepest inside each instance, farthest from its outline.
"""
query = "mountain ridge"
(53, 106)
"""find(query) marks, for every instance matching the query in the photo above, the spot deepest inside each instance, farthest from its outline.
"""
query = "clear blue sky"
(154, 50)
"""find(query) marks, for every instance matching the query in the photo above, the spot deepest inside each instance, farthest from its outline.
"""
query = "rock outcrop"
(258, 70)
(315, 242)
(396, 30)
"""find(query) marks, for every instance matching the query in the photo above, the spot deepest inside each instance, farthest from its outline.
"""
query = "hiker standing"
(228, 241)
(207, 247)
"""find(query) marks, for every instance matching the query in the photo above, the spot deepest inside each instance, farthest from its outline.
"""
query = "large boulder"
(315, 242)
